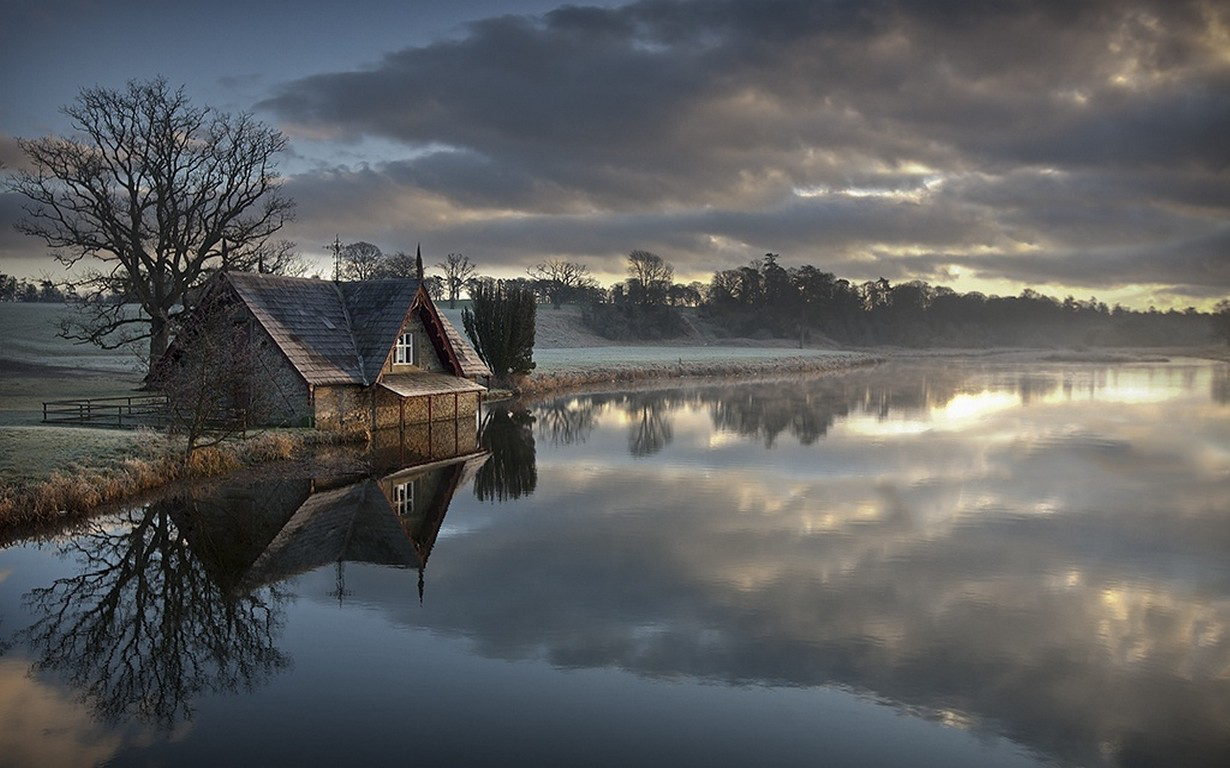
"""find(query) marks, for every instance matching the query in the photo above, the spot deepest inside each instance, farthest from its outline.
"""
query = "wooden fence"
(133, 411)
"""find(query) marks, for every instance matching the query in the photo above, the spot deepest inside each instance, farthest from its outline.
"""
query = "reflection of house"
(353, 356)
(393, 521)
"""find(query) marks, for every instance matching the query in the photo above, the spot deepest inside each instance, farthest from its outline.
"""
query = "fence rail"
(133, 411)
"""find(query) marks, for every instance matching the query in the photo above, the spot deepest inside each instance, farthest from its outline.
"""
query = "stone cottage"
(352, 356)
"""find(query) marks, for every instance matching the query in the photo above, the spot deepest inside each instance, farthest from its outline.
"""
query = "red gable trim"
(427, 313)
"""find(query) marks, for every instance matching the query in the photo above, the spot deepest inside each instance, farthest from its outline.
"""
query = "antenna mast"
(336, 247)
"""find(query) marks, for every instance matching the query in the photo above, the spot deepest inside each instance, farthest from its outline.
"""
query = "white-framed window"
(405, 349)
(403, 498)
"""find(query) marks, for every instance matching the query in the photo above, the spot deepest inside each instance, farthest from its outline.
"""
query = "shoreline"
(69, 494)
(539, 385)
(72, 493)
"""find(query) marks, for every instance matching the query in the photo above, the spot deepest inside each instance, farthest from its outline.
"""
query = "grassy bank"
(654, 363)
(152, 460)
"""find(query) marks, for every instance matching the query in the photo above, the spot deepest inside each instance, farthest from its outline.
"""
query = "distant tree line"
(764, 299)
(45, 290)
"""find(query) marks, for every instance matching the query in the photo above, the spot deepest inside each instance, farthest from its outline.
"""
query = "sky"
(1076, 147)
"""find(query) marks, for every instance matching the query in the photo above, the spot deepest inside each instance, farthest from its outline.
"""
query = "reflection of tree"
(142, 630)
(1221, 385)
(806, 409)
(512, 470)
(566, 422)
(650, 428)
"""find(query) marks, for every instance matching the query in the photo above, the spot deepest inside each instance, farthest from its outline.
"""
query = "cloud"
(706, 130)
(870, 138)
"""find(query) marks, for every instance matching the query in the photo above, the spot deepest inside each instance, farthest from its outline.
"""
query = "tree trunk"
(159, 338)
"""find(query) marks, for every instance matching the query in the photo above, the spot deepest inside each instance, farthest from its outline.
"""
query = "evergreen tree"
(501, 327)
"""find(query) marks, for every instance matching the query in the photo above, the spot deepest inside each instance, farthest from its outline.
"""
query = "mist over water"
(916, 564)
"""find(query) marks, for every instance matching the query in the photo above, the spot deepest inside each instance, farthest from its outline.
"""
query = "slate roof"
(472, 365)
(339, 333)
(378, 310)
(308, 322)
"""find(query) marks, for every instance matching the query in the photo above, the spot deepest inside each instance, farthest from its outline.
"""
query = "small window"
(405, 349)
(403, 498)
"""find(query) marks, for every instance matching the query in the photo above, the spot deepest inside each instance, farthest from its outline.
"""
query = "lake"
(917, 564)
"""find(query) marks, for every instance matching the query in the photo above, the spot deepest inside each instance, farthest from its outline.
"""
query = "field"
(36, 365)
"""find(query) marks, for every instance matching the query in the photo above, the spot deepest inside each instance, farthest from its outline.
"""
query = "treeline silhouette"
(766, 299)
(14, 289)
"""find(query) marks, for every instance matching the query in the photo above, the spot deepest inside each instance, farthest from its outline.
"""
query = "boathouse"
(350, 356)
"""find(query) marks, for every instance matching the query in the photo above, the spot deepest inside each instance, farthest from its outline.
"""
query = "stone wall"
(344, 408)
(283, 393)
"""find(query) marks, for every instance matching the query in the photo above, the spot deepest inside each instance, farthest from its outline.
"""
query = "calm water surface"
(912, 565)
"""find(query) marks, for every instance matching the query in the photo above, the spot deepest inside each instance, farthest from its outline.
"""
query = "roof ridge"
(358, 354)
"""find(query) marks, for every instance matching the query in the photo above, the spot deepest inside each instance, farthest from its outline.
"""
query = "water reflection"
(1036, 555)
(1220, 387)
(892, 399)
(142, 629)
(186, 596)
(1039, 554)
(512, 471)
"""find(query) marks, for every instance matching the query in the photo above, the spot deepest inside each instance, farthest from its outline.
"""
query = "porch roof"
(425, 383)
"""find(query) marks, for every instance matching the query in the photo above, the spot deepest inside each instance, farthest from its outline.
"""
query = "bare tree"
(160, 193)
(649, 277)
(211, 377)
(360, 261)
(278, 257)
(458, 270)
(561, 280)
(400, 264)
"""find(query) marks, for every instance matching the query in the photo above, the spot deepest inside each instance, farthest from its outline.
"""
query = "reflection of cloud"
(44, 727)
(1057, 585)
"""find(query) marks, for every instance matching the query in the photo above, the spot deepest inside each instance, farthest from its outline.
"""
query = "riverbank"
(156, 461)
(88, 468)
(50, 472)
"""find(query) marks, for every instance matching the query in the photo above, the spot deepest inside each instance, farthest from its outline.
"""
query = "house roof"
(340, 333)
(307, 320)
(471, 364)
(378, 310)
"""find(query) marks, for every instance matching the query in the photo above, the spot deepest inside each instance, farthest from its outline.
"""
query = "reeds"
(156, 462)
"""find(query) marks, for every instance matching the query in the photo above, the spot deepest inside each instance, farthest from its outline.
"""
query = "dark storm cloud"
(705, 121)
(815, 230)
